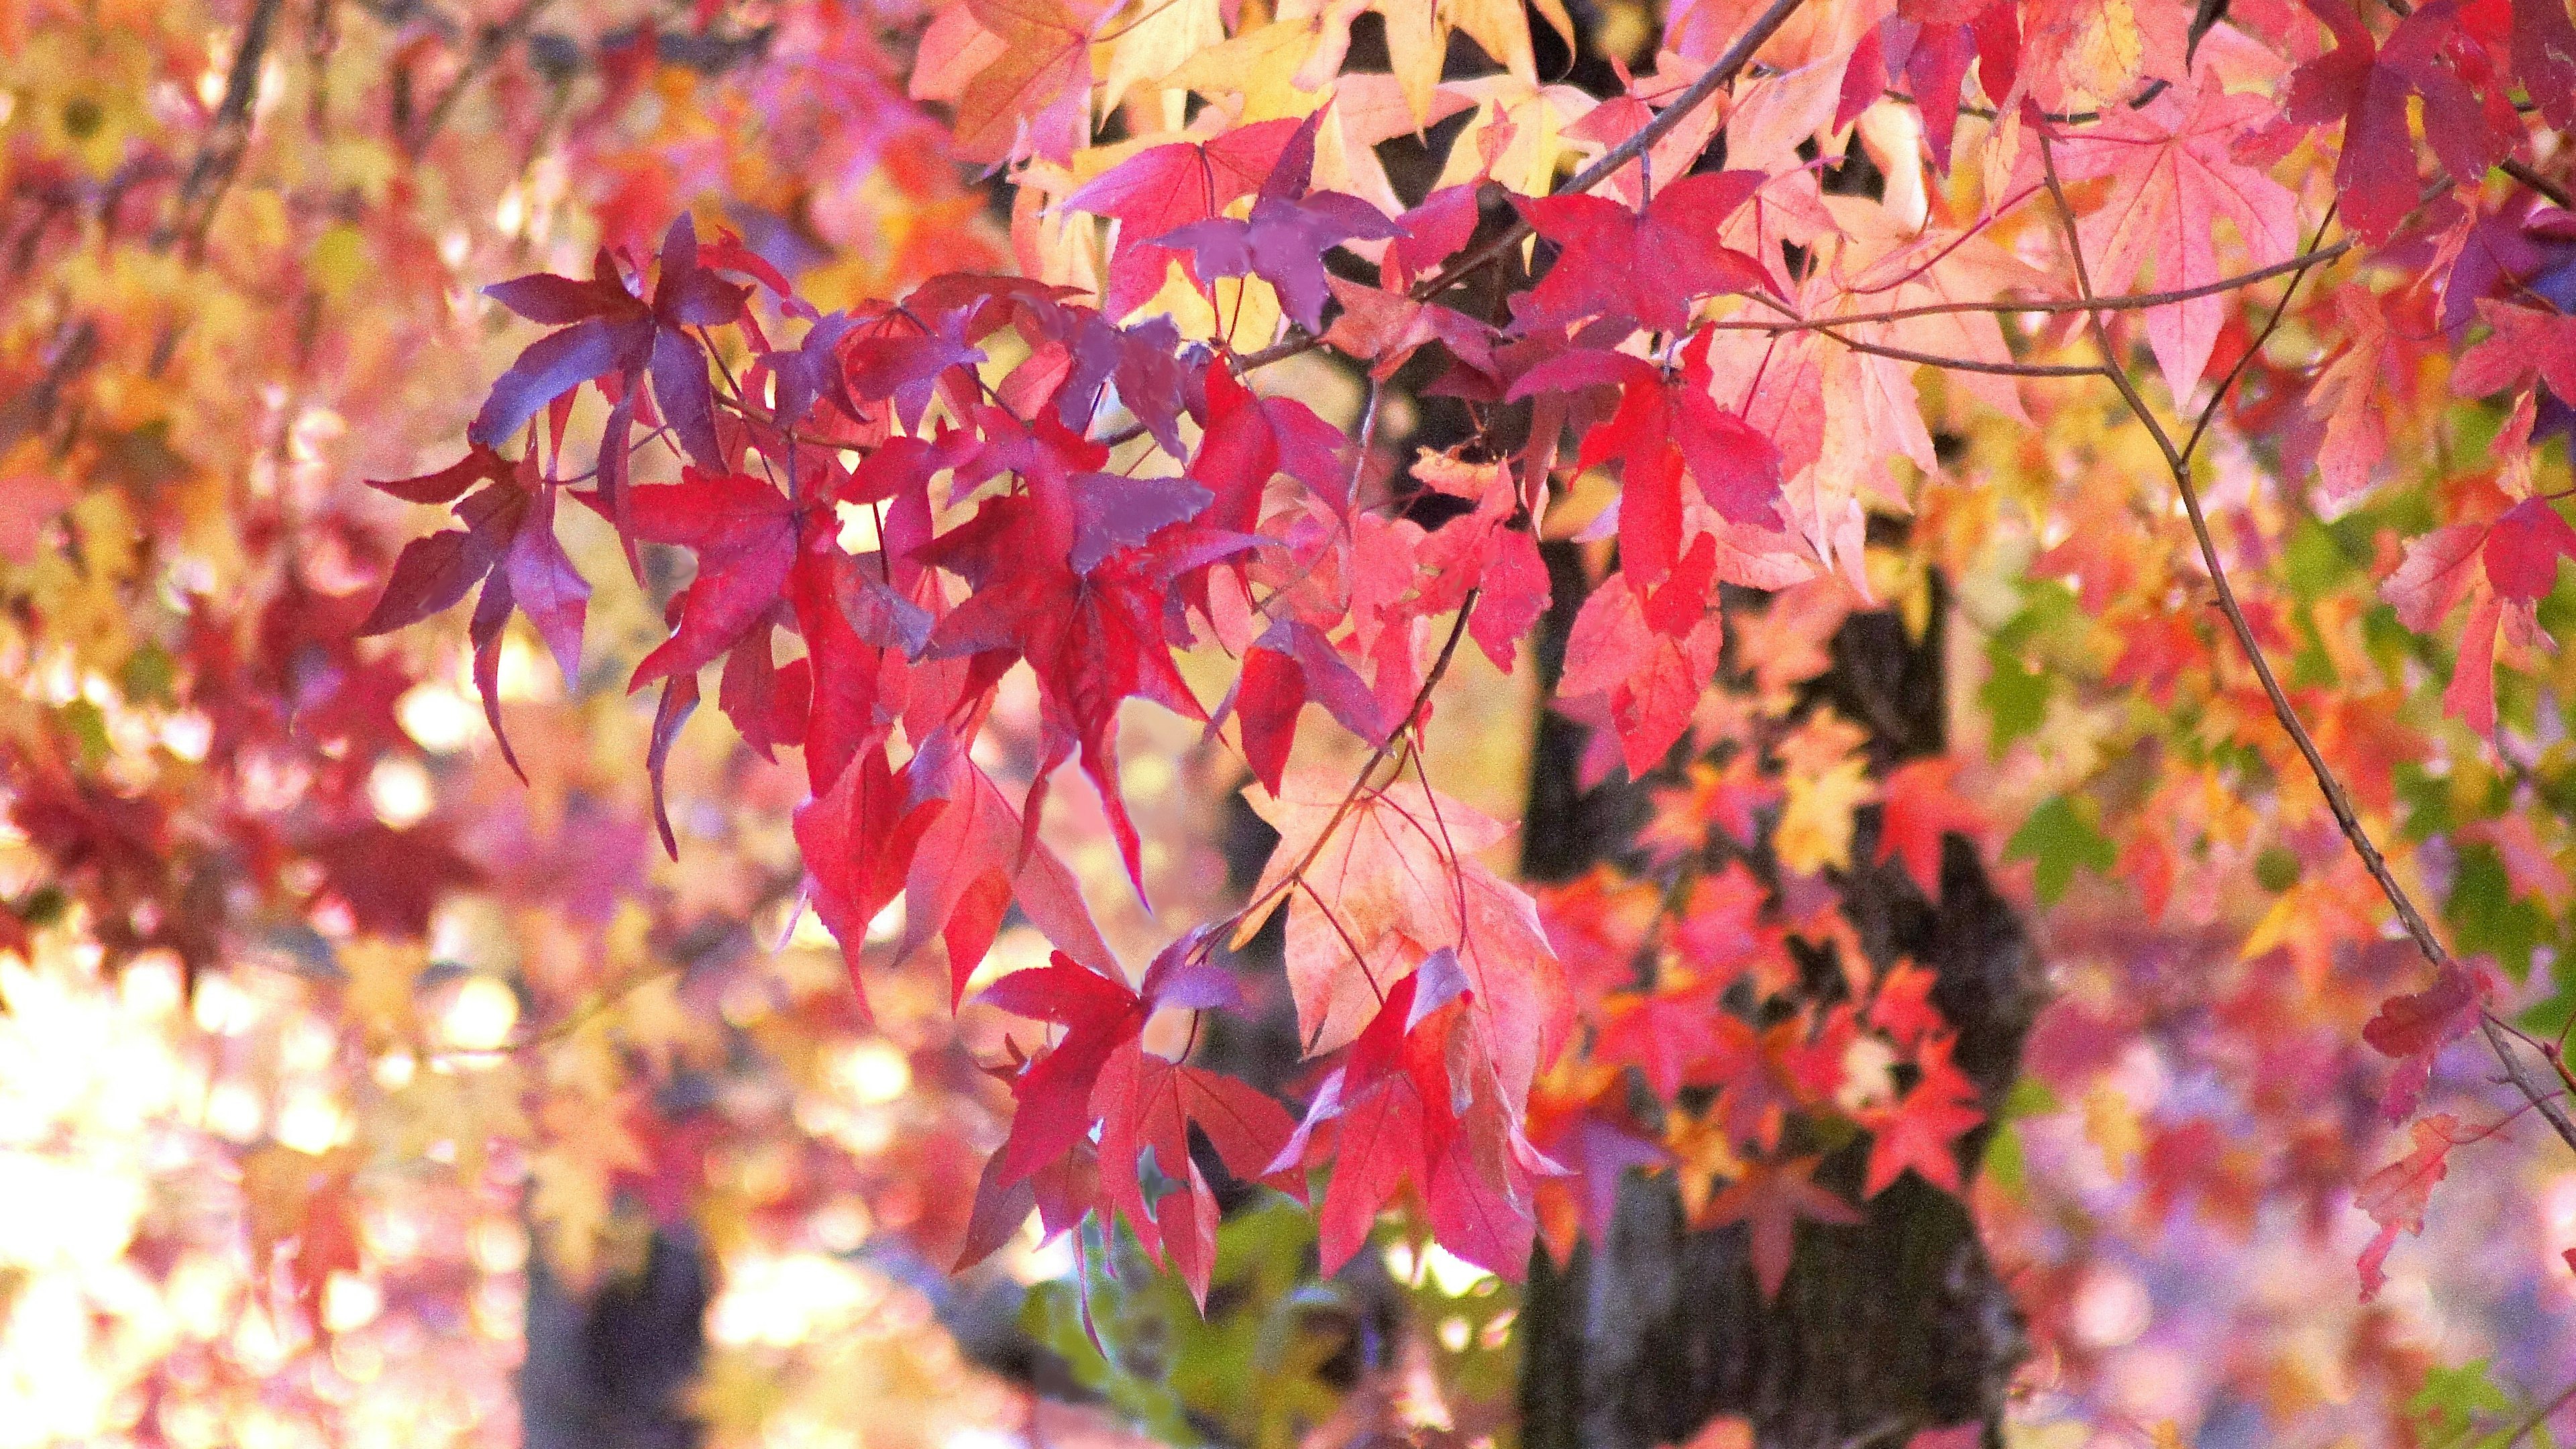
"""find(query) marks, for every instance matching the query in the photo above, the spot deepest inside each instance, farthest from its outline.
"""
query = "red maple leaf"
(1918, 1131)
(1903, 1005)
(1092, 638)
(2517, 554)
(1397, 1127)
(1018, 72)
(508, 545)
(1764, 1073)
(744, 532)
(2396, 1195)
(1771, 1197)
(605, 328)
(2414, 1028)
(859, 836)
(1922, 808)
(1284, 239)
(1053, 1090)
(974, 862)
(2526, 342)
(1666, 1034)
(1651, 679)
(1148, 1103)
(2544, 58)
(1099, 1073)
(1163, 188)
(2468, 117)
(1727, 799)
(2173, 172)
(2523, 548)
(1667, 424)
(1643, 266)
(1289, 664)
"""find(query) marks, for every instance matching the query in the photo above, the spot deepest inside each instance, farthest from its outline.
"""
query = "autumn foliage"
(929, 383)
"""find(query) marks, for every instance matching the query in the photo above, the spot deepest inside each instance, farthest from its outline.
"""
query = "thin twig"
(219, 155)
(2537, 182)
(2338, 800)
(1259, 905)
(1966, 364)
(2126, 302)
(2522, 1428)
(489, 47)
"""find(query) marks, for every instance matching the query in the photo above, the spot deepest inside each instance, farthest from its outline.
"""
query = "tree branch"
(2338, 799)
(2538, 1416)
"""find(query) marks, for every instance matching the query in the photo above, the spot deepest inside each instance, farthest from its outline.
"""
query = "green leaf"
(148, 675)
(2028, 1097)
(2276, 869)
(2461, 1408)
(2314, 561)
(2057, 838)
(1248, 1373)
(2005, 1165)
(2014, 696)
(2486, 918)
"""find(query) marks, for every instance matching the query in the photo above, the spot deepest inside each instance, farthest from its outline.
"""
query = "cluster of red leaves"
(1003, 538)
(1726, 1016)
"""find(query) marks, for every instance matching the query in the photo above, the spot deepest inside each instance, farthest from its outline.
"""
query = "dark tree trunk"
(613, 1367)
(1894, 1325)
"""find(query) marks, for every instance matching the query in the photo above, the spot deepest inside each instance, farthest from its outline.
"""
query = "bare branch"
(487, 52)
(2538, 1416)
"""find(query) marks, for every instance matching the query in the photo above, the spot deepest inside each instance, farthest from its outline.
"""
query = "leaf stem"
(1296, 875)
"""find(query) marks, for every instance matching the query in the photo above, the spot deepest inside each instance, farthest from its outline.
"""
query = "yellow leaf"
(1702, 1152)
(382, 975)
(338, 262)
(2111, 1124)
(1163, 36)
(2097, 49)
(1261, 67)
(1816, 824)
(1537, 117)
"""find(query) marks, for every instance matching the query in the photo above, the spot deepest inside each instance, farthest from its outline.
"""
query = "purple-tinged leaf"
(1111, 513)
(553, 301)
(448, 484)
(548, 588)
(428, 577)
(679, 701)
(491, 617)
(881, 616)
(680, 386)
(552, 366)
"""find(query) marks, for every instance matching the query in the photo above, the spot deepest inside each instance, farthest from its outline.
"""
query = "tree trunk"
(612, 1367)
(1882, 1329)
